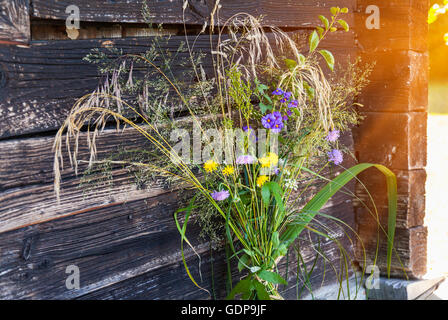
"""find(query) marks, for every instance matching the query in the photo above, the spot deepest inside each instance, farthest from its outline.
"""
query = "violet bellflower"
(286, 97)
(335, 156)
(278, 126)
(246, 159)
(293, 104)
(278, 92)
(333, 135)
(268, 120)
(220, 195)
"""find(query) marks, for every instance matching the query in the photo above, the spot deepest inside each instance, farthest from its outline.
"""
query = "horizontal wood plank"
(14, 22)
(129, 251)
(43, 81)
(26, 179)
(281, 13)
(108, 245)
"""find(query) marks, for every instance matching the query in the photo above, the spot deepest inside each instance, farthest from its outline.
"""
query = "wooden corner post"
(393, 34)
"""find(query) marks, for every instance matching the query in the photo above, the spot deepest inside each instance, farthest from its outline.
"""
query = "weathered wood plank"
(126, 251)
(410, 246)
(398, 81)
(411, 198)
(27, 195)
(43, 81)
(282, 13)
(402, 26)
(108, 245)
(396, 140)
(14, 22)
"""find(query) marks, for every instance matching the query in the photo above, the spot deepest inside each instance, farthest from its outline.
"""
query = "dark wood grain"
(128, 251)
(26, 179)
(43, 82)
(14, 22)
(281, 13)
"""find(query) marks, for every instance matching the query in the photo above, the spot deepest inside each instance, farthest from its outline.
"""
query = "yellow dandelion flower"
(261, 180)
(273, 158)
(210, 166)
(227, 171)
(265, 162)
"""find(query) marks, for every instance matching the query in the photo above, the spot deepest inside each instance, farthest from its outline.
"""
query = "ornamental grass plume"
(262, 80)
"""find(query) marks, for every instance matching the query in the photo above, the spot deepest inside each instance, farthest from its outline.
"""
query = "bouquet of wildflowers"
(268, 116)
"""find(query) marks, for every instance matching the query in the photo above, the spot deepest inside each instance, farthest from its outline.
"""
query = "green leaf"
(241, 287)
(262, 293)
(344, 10)
(278, 194)
(271, 277)
(333, 29)
(320, 31)
(344, 24)
(325, 22)
(314, 41)
(249, 252)
(266, 194)
(243, 262)
(290, 64)
(335, 10)
(302, 58)
(275, 239)
(264, 107)
(329, 58)
(321, 198)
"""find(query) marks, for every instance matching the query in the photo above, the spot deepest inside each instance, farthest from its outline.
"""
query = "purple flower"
(246, 159)
(220, 195)
(276, 170)
(278, 92)
(287, 95)
(335, 156)
(278, 126)
(285, 118)
(245, 128)
(333, 136)
(289, 113)
(277, 115)
(293, 104)
(268, 120)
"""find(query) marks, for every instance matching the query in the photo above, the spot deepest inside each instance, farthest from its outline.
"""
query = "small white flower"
(292, 184)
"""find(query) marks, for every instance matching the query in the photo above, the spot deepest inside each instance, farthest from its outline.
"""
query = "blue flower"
(333, 135)
(268, 120)
(277, 115)
(293, 104)
(278, 92)
(220, 195)
(335, 156)
(277, 126)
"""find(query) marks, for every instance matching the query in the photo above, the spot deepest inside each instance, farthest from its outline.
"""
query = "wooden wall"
(122, 238)
(394, 131)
